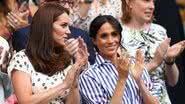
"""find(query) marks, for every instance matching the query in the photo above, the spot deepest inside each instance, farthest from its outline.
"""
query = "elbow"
(172, 81)
(173, 84)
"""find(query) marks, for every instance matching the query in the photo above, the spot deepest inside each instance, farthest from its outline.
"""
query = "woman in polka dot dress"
(45, 72)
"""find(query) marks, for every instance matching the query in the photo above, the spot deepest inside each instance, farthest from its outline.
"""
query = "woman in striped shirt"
(114, 78)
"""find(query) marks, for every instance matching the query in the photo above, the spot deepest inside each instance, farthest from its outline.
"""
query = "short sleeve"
(20, 62)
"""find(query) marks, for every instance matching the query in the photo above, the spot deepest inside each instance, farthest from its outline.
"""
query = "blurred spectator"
(167, 15)
(85, 12)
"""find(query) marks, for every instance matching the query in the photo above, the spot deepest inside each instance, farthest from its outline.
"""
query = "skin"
(61, 32)
(108, 41)
(23, 91)
(141, 15)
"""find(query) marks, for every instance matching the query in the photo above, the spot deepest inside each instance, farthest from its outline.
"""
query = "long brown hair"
(44, 53)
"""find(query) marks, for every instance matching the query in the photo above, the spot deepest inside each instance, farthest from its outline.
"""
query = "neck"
(111, 58)
(138, 25)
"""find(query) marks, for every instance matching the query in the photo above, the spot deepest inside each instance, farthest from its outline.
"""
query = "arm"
(119, 91)
(24, 94)
(147, 97)
(158, 55)
(152, 65)
(81, 59)
(171, 70)
(171, 74)
(74, 95)
(122, 64)
(137, 71)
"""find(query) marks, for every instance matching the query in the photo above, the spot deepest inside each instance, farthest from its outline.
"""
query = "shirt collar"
(100, 60)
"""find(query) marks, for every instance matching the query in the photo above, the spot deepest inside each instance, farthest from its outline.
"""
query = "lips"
(112, 47)
(149, 13)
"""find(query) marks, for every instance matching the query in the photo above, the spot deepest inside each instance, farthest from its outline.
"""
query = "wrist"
(122, 82)
(139, 82)
(169, 62)
(154, 64)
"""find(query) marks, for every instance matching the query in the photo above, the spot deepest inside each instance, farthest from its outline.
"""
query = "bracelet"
(169, 63)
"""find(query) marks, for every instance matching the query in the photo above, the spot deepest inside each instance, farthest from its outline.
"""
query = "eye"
(104, 35)
(64, 25)
(115, 34)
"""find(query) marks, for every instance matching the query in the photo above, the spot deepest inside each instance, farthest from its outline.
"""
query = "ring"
(16, 21)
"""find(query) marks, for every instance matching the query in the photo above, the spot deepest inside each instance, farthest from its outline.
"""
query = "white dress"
(148, 40)
(40, 82)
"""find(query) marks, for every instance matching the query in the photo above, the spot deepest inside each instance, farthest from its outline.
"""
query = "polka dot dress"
(40, 82)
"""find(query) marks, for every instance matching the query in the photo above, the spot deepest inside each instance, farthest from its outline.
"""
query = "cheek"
(58, 38)
(59, 31)
(117, 39)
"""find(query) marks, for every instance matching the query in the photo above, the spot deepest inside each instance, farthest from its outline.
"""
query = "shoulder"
(90, 71)
(158, 27)
(20, 62)
(94, 72)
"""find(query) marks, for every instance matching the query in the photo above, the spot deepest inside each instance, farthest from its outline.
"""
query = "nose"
(152, 5)
(110, 39)
(68, 30)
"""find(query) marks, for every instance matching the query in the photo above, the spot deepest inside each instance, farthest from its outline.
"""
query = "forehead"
(63, 17)
(106, 27)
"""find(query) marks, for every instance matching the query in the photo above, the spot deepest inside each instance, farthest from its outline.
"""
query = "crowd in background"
(92, 51)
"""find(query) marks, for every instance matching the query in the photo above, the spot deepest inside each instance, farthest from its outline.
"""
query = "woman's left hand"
(18, 20)
(137, 70)
(175, 50)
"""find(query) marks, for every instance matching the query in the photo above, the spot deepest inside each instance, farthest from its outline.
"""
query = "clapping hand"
(19, 19)
(161, 51)
(123, 64)
(72, 46)
(137, 70)
(175, 50)
(81, 57)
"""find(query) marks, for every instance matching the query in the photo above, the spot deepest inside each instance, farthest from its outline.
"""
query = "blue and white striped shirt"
(97, 84)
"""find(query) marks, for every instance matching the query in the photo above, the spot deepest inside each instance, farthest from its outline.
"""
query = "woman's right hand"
(161, 51)
(71, 45)
(123, 64)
